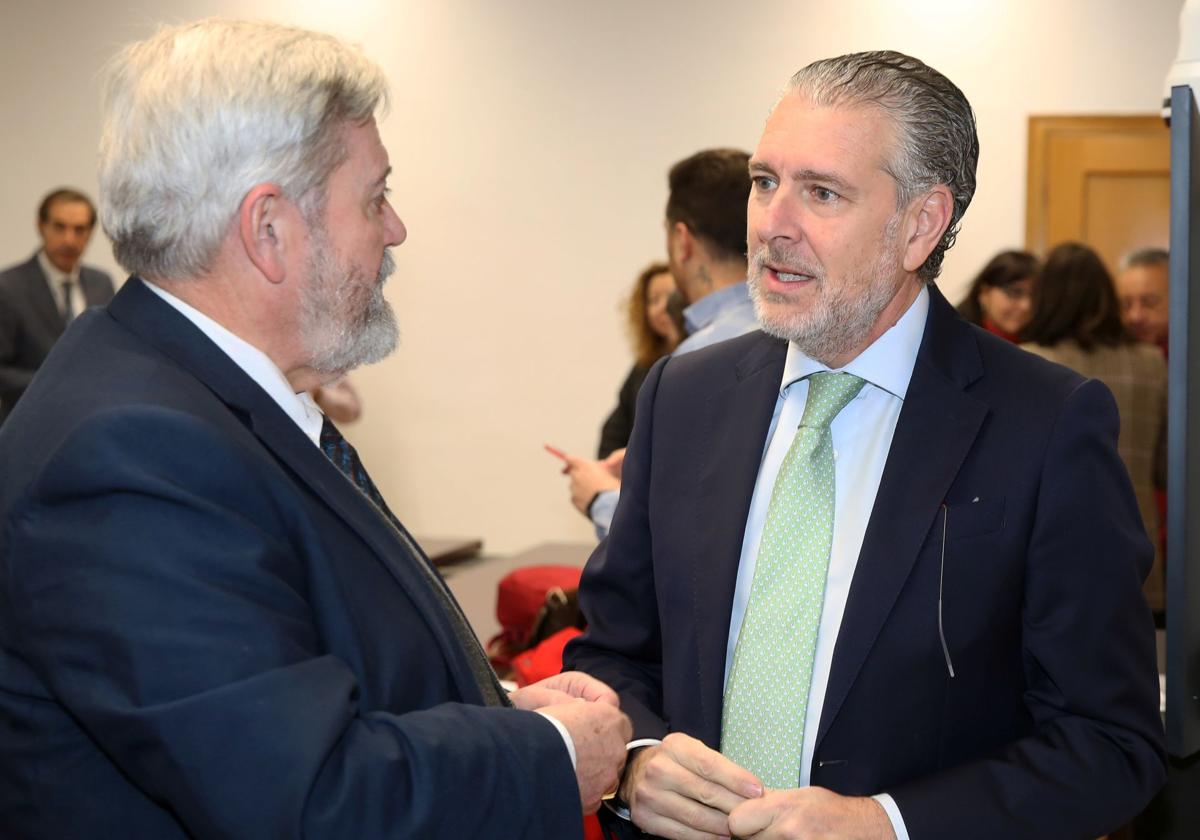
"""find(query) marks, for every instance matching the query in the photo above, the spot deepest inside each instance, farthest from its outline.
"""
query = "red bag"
(544, 659)
(521, 599)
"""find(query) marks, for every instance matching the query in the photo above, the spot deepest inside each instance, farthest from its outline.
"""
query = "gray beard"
(340, 328)
(836, 323)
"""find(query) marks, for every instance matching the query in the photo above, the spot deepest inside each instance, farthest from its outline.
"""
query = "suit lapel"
(38, 292)
(170, 332)
(936, 428)
(735, 423)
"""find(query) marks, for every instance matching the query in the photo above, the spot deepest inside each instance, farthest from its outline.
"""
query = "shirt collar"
(256, 364)
(53, 273)
(703, 312)
(887, 363)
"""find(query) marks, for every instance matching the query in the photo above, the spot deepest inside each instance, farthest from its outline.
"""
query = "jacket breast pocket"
(973, 517)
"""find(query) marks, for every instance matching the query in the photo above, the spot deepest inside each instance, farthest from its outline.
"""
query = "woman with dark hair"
(1077, 322)
(1001, 296)
(654, 334)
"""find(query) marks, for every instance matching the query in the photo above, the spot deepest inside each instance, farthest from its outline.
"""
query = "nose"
(772, 216)
(394, 229)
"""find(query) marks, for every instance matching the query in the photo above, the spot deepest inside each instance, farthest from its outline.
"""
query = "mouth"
(783, 274)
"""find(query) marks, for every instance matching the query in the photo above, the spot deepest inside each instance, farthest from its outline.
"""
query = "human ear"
(264, 226)
(929, 220)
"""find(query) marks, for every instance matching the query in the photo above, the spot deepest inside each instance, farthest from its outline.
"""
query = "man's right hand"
(682, 789)
(600, 732)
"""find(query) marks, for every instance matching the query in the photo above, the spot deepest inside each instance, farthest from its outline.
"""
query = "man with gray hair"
(874, 573)
(213, 626)
(1144, 289)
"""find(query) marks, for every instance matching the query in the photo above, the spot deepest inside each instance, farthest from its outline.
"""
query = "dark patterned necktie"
(68, 304)
(346, 459)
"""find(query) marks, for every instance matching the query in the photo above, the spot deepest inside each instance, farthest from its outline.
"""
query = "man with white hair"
(875, 572)
(213, 626)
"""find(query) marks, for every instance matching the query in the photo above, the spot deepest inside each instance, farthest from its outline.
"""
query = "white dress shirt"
(862, 436)
(55, 278)
(256, 364)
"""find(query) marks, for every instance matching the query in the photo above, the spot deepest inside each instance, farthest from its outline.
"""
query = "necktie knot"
(828, 394)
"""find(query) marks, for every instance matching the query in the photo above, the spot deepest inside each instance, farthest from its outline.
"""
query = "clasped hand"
(683, 790)
(591, 713)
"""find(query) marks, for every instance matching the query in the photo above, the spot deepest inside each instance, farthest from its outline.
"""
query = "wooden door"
(1103, 181)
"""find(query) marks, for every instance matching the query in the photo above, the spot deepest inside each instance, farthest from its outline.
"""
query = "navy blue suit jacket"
(1049, 727)
(30, 322)
(207, 631)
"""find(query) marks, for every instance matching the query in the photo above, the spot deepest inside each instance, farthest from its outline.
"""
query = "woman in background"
(1001, 296)
(654, 335)
(1077, 322)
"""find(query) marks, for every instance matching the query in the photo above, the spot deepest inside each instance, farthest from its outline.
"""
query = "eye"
(763, 183)
(824, 195)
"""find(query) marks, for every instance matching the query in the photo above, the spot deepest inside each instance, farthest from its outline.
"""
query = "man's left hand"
(810, 813)
(571, 685)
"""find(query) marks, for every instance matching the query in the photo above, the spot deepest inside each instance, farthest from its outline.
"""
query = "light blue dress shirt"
(862, 437)
(726, 313)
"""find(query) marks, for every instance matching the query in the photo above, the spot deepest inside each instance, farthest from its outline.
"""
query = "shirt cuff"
(614, 804)
(566, 736)
(893, 813)
(602, 509)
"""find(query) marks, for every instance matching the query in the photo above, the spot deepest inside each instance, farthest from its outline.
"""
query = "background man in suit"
(705, 222)
(869, 556)
(40, 296)
(213, 626)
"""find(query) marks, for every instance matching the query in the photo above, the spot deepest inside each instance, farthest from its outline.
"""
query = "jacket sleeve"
(1095, 754)
(14, 379)
(622, 645)
(157, 588)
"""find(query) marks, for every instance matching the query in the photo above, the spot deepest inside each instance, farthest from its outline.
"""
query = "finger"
(664, 774)
(753, 816)
(579, 684)
(665, 806)
(711, 765)
(536, 696)
(555, 451)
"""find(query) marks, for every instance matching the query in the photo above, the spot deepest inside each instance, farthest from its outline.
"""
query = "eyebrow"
(830, 178)
(382, 179)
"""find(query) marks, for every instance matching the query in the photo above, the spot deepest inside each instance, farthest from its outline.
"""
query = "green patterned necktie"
(766, 699)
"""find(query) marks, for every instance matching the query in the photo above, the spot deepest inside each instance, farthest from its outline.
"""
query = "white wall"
(530, 141)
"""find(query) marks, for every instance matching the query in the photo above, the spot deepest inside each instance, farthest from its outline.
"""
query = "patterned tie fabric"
(68, 304)
(344, 456)
(766, 698)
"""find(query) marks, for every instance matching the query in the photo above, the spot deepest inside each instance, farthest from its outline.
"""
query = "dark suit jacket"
(207, 631)
(1049, 727)
(30, 322)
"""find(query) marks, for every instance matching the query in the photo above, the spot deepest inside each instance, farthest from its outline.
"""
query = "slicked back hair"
(69, 195)
(935, 127)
